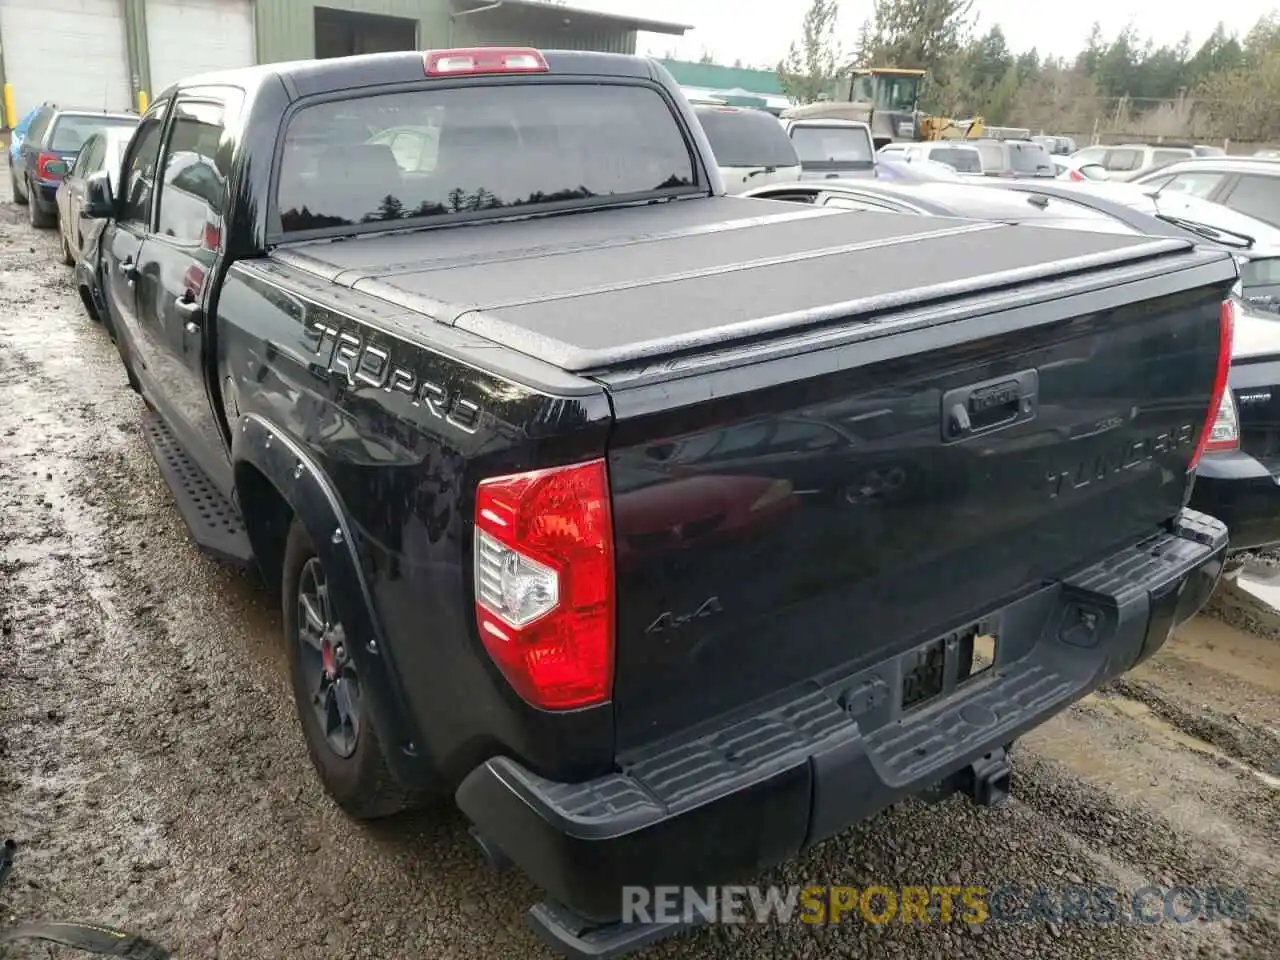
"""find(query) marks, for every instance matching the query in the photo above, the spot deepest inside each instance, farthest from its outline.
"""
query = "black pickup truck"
(669, 532)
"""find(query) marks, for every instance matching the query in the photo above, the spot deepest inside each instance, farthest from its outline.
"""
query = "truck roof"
(617, 286)
(310, 77)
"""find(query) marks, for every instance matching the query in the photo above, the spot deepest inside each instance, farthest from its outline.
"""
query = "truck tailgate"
(786, 512)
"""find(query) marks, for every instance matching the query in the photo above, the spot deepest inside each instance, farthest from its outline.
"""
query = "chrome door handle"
(189, 309)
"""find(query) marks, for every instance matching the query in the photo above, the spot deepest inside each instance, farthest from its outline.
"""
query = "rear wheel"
(327, 691)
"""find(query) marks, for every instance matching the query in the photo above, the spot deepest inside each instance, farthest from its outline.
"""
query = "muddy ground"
(152, 775)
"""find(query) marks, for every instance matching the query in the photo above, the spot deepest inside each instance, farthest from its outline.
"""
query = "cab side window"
(39, 124)
(137, 181)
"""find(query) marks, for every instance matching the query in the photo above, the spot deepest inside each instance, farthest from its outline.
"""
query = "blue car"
(19, 134)
(48, 150)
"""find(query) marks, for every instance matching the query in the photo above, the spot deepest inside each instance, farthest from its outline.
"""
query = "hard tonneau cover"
(610, 287)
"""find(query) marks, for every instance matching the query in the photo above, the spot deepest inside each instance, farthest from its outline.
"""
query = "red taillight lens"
(485, 60)
(211, 237)
(1075, 175)
(50, 166)
(1226, 333)
(544, 582)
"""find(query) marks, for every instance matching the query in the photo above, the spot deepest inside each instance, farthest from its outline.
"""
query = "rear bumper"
(726, 803)
(1242, 493)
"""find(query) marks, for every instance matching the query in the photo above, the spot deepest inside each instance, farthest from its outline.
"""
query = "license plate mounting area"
(943, 664)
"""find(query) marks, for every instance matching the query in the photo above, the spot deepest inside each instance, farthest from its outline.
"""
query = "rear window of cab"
(433, 152)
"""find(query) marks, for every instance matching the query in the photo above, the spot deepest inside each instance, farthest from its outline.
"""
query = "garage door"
(186, 37)
(69, 51)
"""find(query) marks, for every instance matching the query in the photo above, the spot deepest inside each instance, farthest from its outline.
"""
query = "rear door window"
(1256, 196)
(197, 164)
(746, 138)
(488, 149)
(961, 160)
(1159, 157)
(39, 124)
(1123, 159)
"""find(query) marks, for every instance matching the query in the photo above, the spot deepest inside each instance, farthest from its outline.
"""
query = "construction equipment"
(887, 99)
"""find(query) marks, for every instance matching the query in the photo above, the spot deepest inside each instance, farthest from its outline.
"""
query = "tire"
(18, 197)
(347, 755)
(39, 218)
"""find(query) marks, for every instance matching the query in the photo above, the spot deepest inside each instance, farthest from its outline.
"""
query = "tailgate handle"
(981, 408)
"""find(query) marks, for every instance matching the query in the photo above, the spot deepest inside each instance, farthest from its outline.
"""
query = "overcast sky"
(758, 33)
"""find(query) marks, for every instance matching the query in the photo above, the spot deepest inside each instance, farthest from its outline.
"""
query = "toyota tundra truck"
(667, 532)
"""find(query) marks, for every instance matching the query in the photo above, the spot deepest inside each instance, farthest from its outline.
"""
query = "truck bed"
(596, 290)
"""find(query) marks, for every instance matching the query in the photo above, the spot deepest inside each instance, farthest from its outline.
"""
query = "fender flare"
(314, 500)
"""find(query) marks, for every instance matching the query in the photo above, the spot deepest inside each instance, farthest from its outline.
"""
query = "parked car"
(1247, 184)
(103, 150)
(1069, 168)
(959, 198)
(832, 148)
(963, 158)
(16, 136)
(1014, 158)
(411, 403)
(47, 152)
(78, 234)
(750, 146)
(1173, 214)
(893, 167)
(1132, 158)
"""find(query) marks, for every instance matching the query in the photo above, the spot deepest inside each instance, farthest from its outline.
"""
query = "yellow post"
(142, 101)
(11, 117)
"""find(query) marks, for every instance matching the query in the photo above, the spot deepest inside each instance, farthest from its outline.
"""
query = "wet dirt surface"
(152, 774)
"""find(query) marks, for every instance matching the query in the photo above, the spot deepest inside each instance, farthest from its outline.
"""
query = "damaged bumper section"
(726, 803)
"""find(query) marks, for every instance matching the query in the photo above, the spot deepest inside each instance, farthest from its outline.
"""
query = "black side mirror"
(99, 202)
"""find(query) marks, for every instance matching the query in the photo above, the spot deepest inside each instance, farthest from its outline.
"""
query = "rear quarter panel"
(403, 432)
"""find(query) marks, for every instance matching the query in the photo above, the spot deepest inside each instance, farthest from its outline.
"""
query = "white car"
(750, 146)
(1079, 169)
(964, 159)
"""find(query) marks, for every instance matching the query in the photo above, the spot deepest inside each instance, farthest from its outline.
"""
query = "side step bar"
(212, 519)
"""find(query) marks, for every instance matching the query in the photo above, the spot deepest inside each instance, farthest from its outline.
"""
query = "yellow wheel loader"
(887, 99)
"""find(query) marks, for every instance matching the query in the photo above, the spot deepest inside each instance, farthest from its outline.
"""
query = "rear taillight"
(544, 585)
(1075, 175)
(485, 60)
(1226, 332)
(1225, 432)
(50, 166)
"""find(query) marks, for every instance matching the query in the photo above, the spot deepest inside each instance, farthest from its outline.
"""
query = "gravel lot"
(152, 776)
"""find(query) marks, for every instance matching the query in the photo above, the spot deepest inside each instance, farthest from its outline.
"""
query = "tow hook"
(986, 781)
